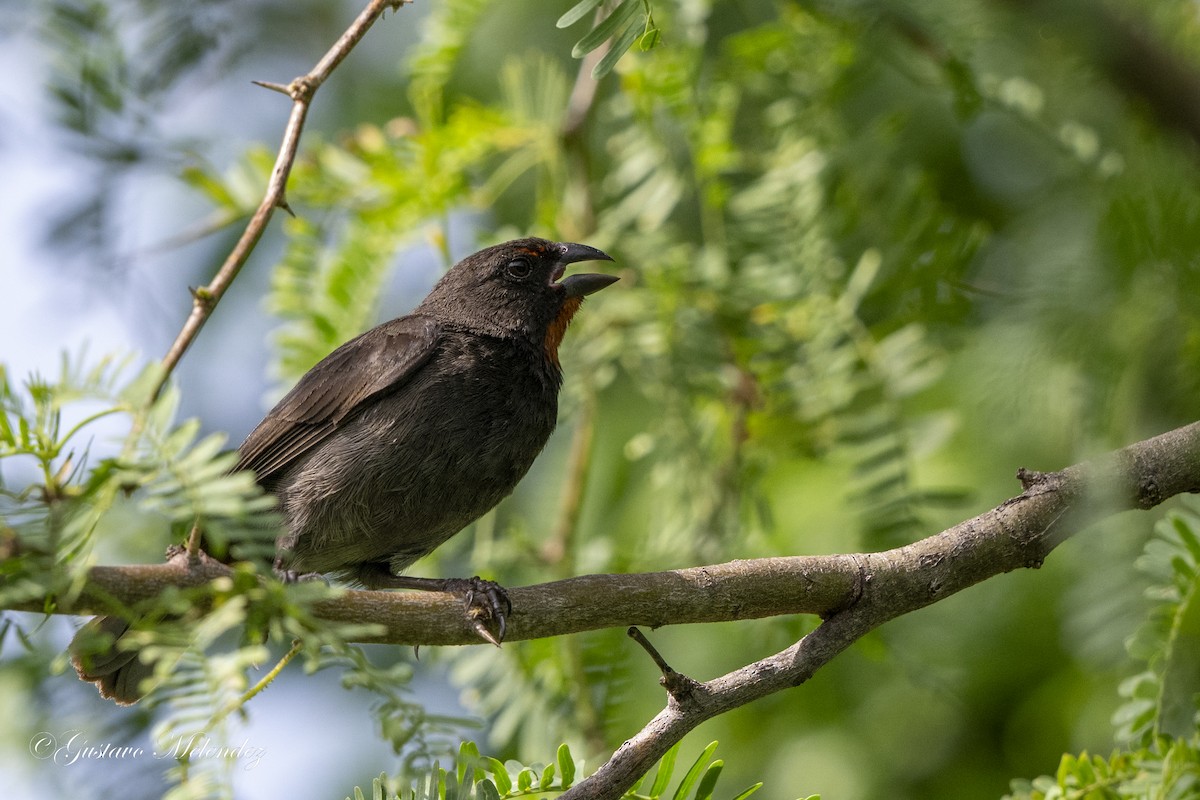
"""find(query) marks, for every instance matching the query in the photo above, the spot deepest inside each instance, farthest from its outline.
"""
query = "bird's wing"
(379, 361)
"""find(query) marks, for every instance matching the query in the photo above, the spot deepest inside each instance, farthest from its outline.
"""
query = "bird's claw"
(292, 576)
(481, 630)
(485, 601)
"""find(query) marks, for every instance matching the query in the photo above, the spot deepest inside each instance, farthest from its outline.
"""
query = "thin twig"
(301, 90)
(263, 682)
(681, 688)
(248, 695)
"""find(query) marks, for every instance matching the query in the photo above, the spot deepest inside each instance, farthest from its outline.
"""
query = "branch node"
(177, 553)
(680, 687)
(193, 563)
(1032, 479)
(302, 89)
(1148, 494)
(202, 295)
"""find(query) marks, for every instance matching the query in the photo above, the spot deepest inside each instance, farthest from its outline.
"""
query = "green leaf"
(468, 754)
(694, 772)
(566, 765)
(650, 38)
(577, 12)
(499, 774)
(619, 47)
(213, 188)
(752, 789)
(662, 776)
(607, 27)
(709, 782)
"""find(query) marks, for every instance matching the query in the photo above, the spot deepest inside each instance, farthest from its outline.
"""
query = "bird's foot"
(286, 575)
(485, 602)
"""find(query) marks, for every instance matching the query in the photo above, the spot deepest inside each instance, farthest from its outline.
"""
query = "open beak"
(585, 283)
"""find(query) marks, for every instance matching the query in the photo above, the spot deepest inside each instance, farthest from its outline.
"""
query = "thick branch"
(301, 90)
(736, 590)
(855, 593)
(1018, 533)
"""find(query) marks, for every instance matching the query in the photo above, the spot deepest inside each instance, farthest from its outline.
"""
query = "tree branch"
(854, 593)
(1020, 532)
(747, 589)
(301, 90)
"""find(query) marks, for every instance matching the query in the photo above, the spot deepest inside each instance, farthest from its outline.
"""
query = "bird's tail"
(99, 657)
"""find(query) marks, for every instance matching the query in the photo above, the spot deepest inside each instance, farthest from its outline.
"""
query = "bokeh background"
(874, 258)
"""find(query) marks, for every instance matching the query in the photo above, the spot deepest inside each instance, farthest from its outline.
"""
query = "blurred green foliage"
(480, 778)
(874, 257)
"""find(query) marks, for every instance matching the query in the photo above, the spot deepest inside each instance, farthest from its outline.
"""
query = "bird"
(406, 434)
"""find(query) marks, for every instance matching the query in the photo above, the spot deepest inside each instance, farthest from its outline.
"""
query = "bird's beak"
(586, 283)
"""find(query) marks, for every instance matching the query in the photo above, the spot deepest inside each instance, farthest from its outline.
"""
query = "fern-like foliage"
(1158, 721)
(1169, 770)
(1162, 699)
(481, 778)
(97, 455)
(175, 479)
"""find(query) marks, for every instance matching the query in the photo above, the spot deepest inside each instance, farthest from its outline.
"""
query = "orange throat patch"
(558, 328)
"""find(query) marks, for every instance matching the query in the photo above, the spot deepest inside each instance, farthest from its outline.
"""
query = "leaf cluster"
(1159, 720)
(483, 778)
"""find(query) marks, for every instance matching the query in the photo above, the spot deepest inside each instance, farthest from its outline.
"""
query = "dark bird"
(403, 436)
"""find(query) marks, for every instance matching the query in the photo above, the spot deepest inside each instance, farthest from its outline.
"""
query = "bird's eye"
(519, 268)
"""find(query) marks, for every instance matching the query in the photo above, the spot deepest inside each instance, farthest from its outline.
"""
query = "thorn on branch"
(274, 87)
(679, 686)
(193, 544)
(301, 89)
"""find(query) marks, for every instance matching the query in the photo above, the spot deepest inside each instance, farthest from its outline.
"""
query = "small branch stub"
(679, 686)
(1029, 478)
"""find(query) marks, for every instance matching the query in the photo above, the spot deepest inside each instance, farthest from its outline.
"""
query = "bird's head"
(517, 289)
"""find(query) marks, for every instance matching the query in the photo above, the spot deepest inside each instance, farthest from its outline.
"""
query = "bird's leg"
(485, 601)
